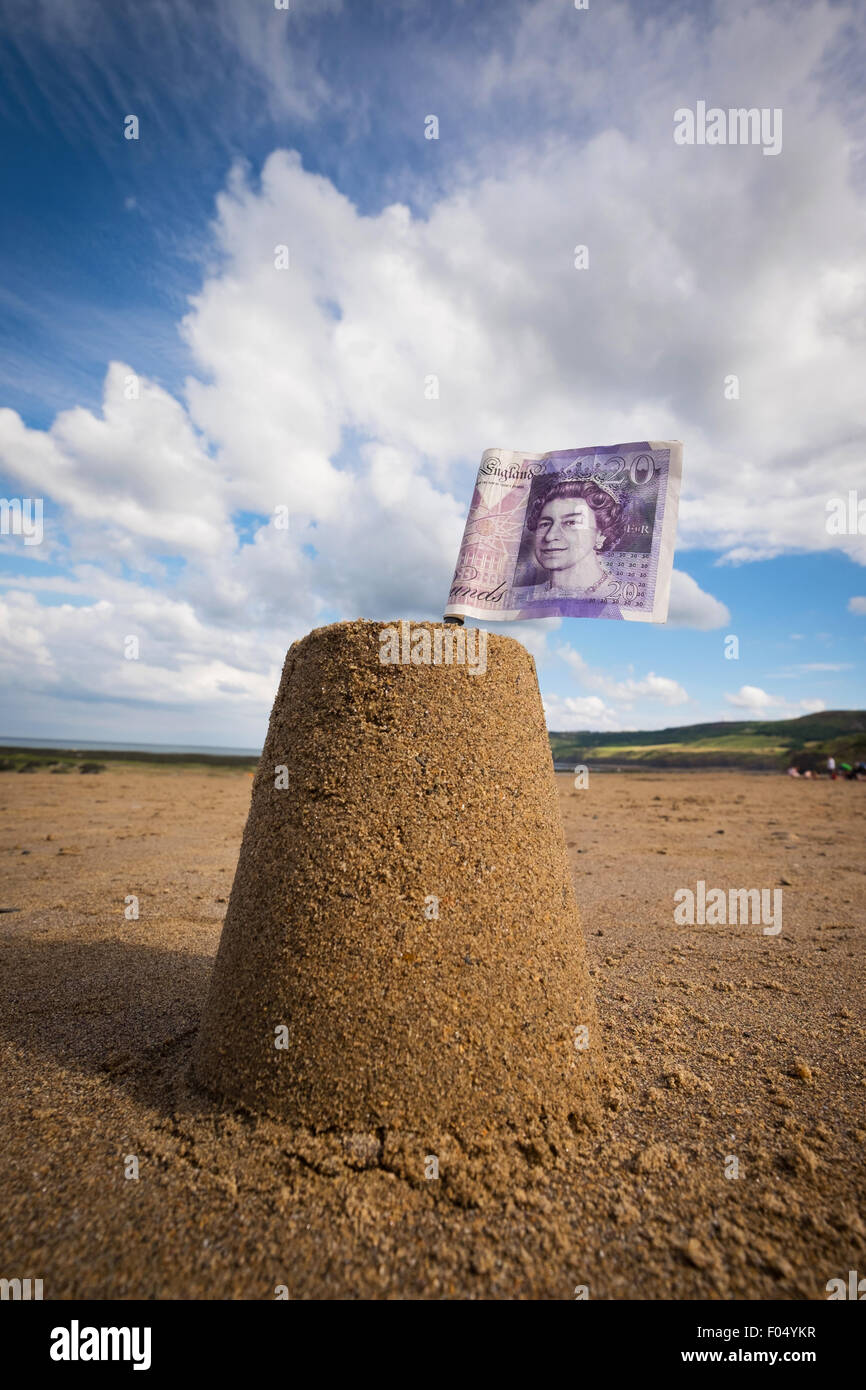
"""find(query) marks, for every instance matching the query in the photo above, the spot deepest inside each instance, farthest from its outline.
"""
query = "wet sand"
(721, 1043)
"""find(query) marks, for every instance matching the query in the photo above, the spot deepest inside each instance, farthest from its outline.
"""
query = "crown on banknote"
(615, 490)
(574, 474)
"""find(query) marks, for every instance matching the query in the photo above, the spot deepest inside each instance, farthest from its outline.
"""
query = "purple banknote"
(584, 533)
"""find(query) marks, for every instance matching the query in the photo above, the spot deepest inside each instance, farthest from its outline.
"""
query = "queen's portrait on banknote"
(583, 533)
(571, 523)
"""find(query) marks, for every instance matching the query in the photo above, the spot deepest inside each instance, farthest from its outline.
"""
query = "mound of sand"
(402, 950)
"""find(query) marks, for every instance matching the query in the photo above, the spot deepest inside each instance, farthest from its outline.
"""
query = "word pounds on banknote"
(583, 533)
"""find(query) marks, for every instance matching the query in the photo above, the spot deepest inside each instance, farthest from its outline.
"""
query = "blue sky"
(164, 388)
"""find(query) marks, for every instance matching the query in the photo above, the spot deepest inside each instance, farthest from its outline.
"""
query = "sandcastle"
(402, 948)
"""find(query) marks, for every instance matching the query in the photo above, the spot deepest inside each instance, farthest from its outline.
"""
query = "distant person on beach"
(831, 768)
(573, 523)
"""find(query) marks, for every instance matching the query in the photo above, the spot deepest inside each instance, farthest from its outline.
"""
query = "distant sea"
(74, 744)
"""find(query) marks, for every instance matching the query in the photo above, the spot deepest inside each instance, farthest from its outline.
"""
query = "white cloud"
(567, 712)
(691, 607)
(650, 687)
(137, 477)
(758, 703)
(532, 635)
(857, 605)
(751, 697)
(654, 687)
(68, 656)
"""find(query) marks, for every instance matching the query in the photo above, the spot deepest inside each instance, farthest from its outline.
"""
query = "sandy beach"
(722, 1043)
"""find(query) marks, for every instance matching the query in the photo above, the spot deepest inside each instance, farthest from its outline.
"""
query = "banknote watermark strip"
(582, 533)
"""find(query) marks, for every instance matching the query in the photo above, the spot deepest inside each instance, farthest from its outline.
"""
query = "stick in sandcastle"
(401, 947)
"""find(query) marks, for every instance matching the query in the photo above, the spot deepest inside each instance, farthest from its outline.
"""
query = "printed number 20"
(628, 591)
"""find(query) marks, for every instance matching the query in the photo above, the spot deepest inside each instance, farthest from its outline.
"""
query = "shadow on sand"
(124, 1011)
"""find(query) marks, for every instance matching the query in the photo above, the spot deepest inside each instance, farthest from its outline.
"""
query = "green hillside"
(16, 759)
(757, 744)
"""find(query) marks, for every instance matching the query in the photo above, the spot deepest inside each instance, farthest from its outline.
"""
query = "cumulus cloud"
(857, 605)
(691, 606)
(757, 702)
(138, 472)
(649, 687)
(71, 655)
(533, 635)
(569, 712)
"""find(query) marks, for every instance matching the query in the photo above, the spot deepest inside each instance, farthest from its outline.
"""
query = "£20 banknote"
(584, 533)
